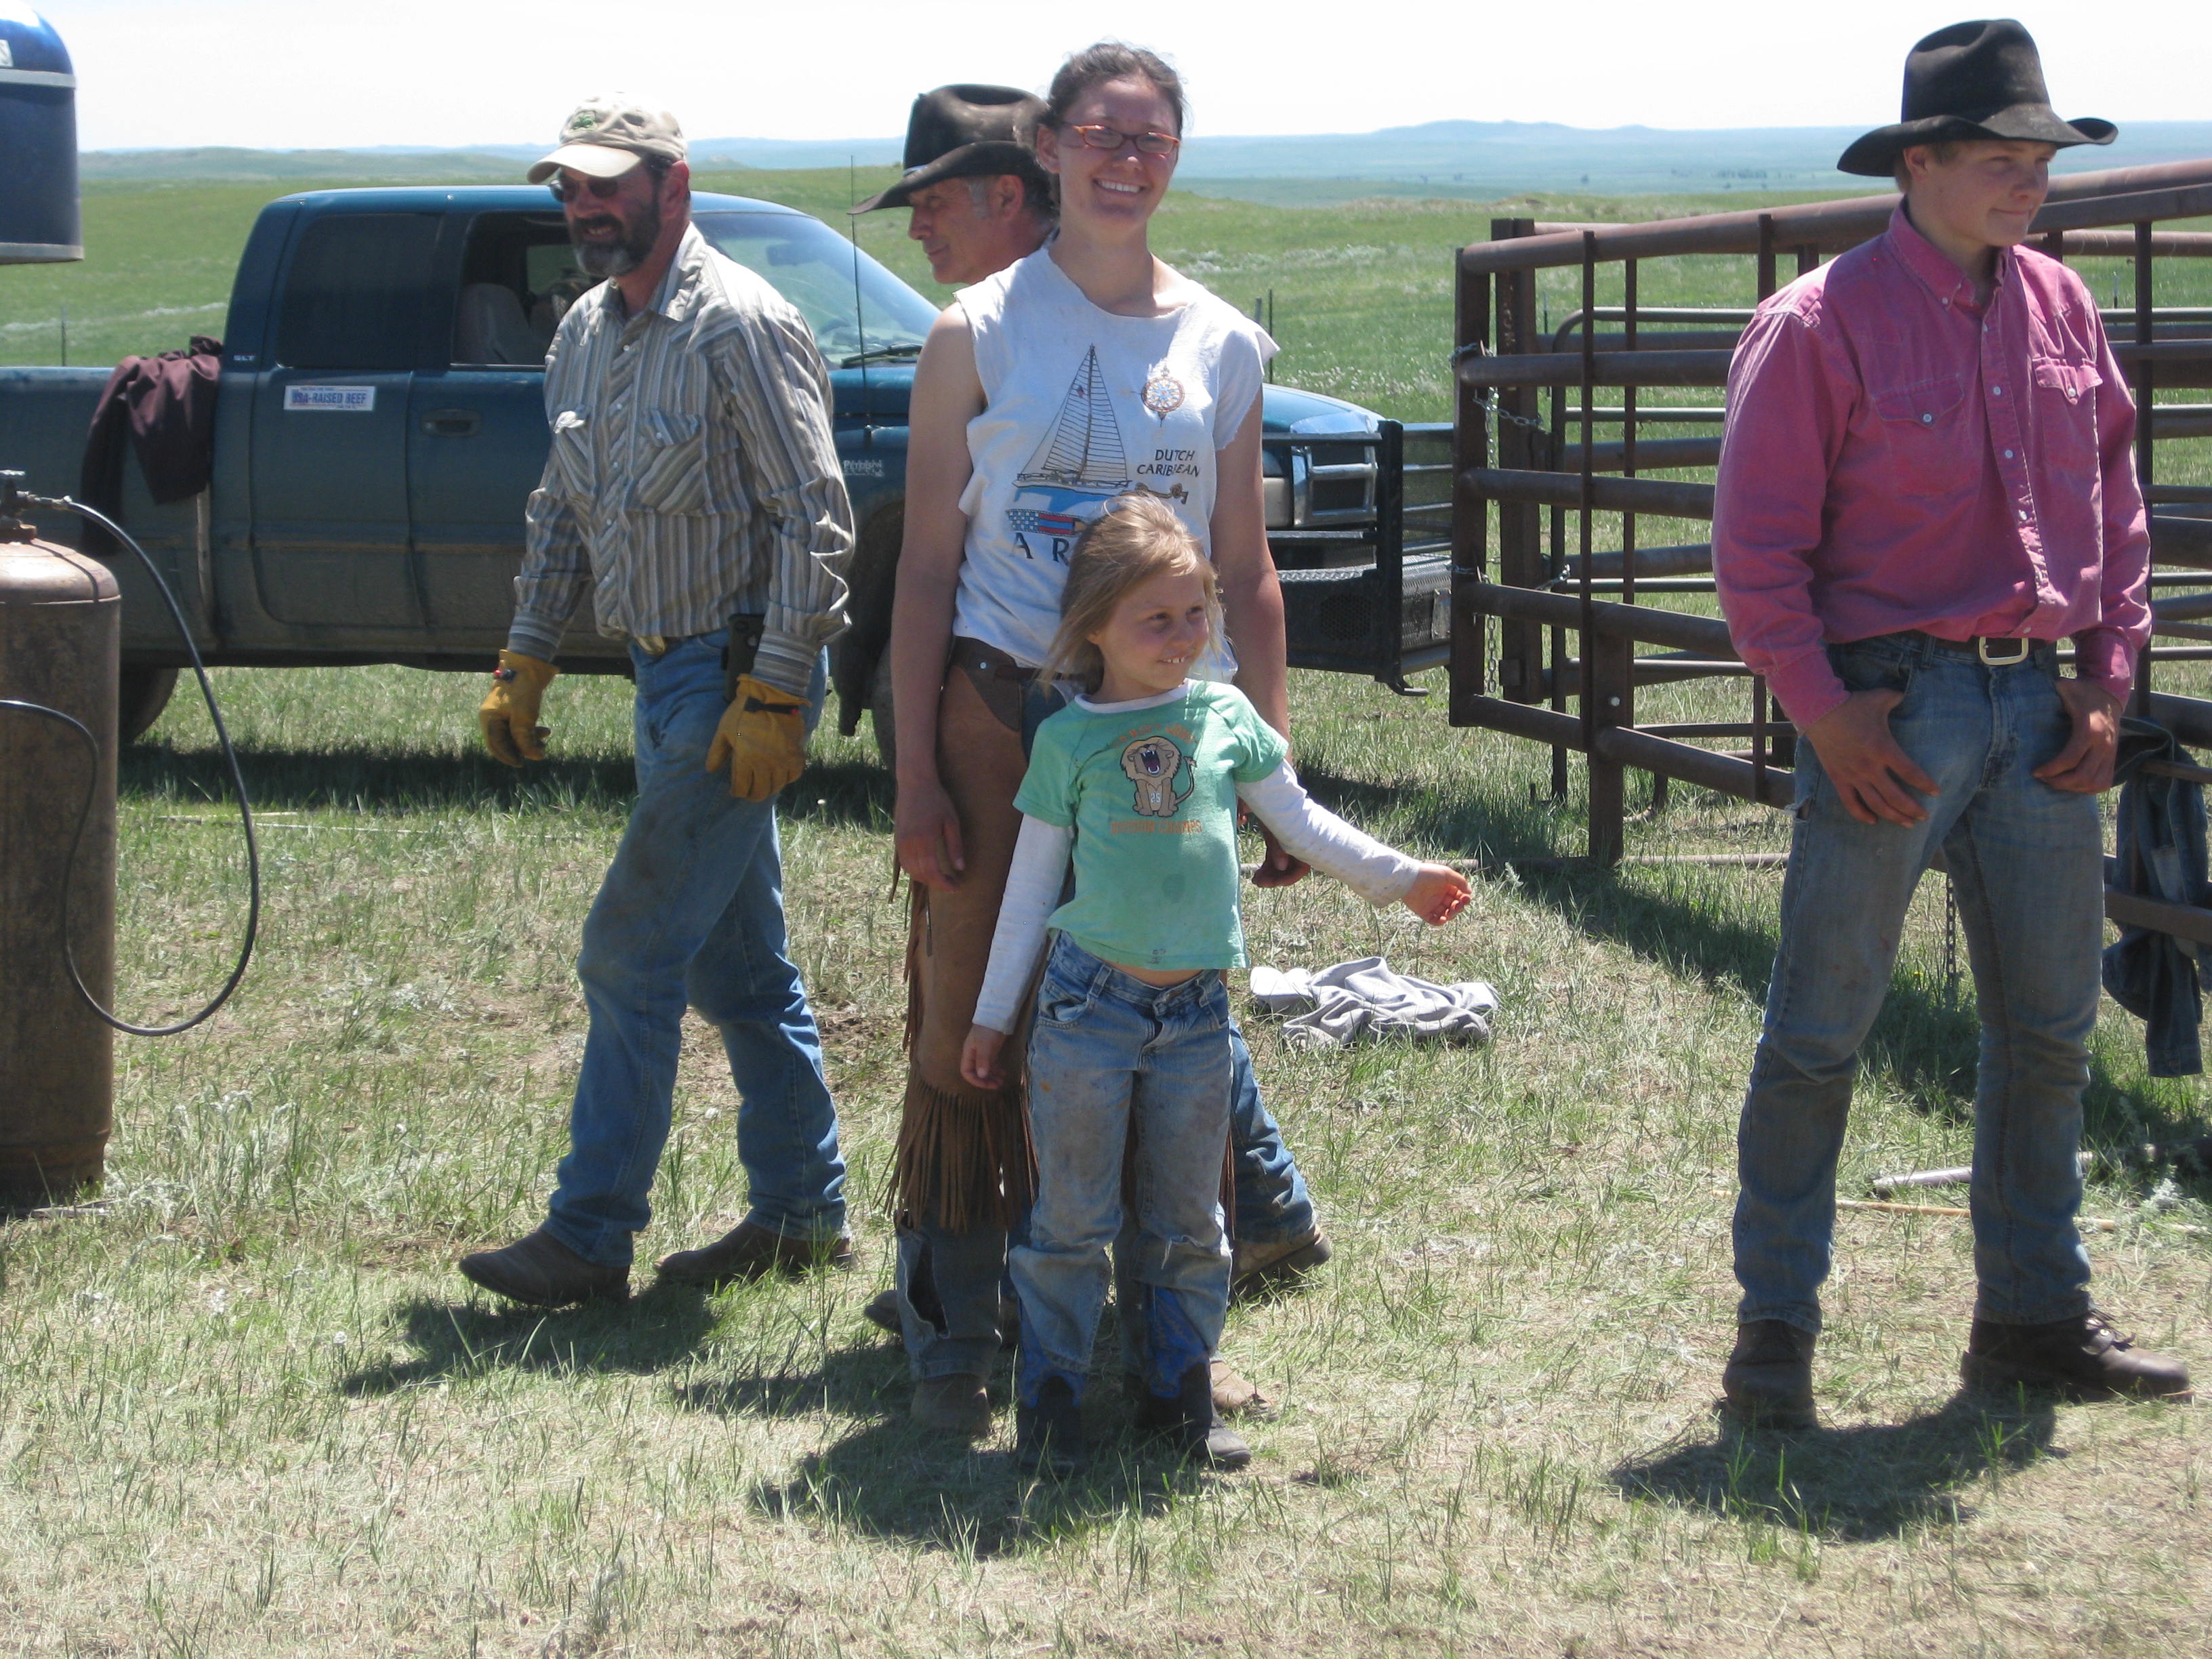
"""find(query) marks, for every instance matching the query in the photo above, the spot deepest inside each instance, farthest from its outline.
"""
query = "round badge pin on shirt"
(1163, 395)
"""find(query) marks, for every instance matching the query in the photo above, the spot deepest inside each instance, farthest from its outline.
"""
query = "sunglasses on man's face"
(1113, 138)
(567, 186)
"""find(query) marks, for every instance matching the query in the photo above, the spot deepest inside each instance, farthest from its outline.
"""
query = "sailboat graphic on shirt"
(1079, 468)
(1084, 450)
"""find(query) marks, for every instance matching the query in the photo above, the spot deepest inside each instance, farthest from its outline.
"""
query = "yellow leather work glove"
(762, 739)
(509, 713)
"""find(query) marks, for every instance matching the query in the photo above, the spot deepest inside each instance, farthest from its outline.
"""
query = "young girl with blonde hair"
(1138, 782)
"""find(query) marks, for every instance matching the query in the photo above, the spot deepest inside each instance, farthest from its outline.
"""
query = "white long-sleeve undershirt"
(1307, 830)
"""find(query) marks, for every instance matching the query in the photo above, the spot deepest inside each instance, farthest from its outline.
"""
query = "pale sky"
(309, 74)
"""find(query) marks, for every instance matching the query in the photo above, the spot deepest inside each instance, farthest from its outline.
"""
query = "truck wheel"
(140, 694)
(879, 712)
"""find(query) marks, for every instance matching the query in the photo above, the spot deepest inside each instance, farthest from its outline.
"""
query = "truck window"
(518, 277)
(857, 309)
(355, 293)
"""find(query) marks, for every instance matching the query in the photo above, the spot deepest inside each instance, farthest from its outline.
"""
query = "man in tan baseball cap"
(618, 228)
(693, 490)
(606, 136)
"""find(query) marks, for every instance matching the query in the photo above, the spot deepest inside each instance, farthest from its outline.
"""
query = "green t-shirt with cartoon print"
(1151, 792)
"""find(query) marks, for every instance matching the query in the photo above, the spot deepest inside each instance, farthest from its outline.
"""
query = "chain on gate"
(1490, 405)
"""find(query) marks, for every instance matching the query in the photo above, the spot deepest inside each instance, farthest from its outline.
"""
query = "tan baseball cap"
(606, 136)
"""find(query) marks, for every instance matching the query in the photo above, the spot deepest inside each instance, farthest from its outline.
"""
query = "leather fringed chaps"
(963, 1155)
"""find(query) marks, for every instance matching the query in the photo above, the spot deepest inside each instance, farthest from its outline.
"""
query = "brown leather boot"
(1278, 1267)
(750, 1251)
(955, 1405)
(538, 1270)
(2079, 1359)
(1769, 1378)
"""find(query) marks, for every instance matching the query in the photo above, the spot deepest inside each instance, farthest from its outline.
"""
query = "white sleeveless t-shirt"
(1081, 405)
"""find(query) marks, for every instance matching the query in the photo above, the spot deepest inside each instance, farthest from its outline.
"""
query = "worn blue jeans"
(1106, 1049)
(949, 1282)
(2026, 860)
(692, 911)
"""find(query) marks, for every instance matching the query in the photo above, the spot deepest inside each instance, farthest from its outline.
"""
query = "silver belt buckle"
(1982, 647)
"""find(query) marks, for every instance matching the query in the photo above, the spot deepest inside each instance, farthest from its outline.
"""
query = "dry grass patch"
(251, 1409)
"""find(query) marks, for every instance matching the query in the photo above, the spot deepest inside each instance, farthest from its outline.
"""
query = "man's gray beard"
(605, 260)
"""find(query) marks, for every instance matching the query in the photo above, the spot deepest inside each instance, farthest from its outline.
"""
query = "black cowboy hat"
(965, 131)
(1978, 80)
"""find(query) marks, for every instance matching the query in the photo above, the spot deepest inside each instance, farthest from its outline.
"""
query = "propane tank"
(60, 628)
(39, 220)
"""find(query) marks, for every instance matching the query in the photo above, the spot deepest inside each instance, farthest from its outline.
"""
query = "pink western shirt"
(1898, 457)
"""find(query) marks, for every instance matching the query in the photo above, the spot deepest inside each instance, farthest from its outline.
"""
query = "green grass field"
(246, 1406)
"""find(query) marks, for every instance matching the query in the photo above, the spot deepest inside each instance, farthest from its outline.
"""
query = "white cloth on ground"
(1366, 998)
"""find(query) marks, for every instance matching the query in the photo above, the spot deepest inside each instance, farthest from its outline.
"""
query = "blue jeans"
(1271, 1201)
(2027, 863)
(949, 1282)
(1106, 1047)
(692, 911)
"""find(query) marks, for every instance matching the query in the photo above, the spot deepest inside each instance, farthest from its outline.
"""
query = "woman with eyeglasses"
(1085, 372)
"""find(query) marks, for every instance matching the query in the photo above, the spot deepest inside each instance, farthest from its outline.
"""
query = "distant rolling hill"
(1477, 160)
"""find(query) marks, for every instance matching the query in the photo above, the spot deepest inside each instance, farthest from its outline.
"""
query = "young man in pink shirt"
(1927, 482)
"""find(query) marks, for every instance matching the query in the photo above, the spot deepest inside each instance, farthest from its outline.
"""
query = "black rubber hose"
(92, 784)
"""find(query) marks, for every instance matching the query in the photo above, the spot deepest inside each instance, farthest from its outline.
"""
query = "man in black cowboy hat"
(1926, 483)
(976, 196)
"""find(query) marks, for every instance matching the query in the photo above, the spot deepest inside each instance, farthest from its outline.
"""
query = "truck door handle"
(452, 422)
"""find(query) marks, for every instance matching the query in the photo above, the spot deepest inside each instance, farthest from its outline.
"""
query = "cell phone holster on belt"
(738, 651)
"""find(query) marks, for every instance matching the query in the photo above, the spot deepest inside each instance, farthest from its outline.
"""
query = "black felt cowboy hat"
(1979, 80)
(965, 131)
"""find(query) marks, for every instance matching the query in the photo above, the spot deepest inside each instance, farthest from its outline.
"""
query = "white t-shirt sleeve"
(1242, 368)
(1379, 874)
(1033, 886)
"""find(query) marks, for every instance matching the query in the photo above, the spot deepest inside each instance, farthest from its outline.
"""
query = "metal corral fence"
(1570, 617)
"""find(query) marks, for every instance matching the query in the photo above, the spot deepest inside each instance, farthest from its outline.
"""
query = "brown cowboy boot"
(2079, 1359)
(750, 1251)
(1235, 1395)
(1259, 1267)
(538, 1270)
(956, 1405)
(1769, 1378)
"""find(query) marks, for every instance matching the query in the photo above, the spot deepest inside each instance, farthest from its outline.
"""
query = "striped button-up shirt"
(1901, 455)
(693, 475)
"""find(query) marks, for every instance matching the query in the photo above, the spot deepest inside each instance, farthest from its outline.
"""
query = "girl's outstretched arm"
(1379, 874)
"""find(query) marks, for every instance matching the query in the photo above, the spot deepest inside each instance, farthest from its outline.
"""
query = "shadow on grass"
(665, 1327)
(1928, 1040)
(891, 1479)
(397, 781)
(1854, 1485)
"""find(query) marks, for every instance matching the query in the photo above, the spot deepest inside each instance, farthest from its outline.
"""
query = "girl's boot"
(1049, 1427)
(1188, 1416)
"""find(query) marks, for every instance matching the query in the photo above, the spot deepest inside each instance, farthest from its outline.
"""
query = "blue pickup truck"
(381, 421)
